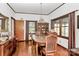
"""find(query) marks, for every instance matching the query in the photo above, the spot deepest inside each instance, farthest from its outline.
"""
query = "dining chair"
(51, 45)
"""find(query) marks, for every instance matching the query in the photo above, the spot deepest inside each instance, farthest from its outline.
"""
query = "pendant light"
(41, 9)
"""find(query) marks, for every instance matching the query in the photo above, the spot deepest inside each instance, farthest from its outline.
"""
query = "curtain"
(71, 43)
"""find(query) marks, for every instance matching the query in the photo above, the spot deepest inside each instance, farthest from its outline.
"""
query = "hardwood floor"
(24, 49)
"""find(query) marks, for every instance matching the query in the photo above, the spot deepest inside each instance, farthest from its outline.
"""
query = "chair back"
(51, 43)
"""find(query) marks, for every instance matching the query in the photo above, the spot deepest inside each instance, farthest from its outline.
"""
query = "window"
(64, 27)
(57, 27)
(61, 26)
(31, 27)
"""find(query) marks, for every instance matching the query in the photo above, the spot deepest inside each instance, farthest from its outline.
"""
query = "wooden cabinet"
(7, 48)
(43, 28)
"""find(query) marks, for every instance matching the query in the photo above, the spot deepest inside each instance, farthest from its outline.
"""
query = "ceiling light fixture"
(41, 9)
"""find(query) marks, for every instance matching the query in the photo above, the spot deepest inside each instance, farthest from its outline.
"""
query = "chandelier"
(41, 9)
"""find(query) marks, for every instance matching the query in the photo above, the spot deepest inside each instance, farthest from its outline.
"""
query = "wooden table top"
(39, 39)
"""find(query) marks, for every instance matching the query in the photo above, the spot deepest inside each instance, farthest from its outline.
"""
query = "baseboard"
(21, 40)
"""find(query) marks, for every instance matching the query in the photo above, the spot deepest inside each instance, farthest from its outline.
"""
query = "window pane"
(32, 30)
(57, 30)
(64, 31)
(58, 25)
(55, 25)
(31, 24)
(65, 21)
(65, 24)
(31, 27)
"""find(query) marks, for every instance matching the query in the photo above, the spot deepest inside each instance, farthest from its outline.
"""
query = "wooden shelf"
(43, 28)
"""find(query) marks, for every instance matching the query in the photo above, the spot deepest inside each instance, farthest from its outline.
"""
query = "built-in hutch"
(43, 28)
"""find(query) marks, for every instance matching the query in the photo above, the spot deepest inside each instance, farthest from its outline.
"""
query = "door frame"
(27, 29)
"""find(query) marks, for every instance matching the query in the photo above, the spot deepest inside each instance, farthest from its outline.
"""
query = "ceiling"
(34, 8)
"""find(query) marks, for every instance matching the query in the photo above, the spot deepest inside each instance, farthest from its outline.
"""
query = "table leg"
(36, 49)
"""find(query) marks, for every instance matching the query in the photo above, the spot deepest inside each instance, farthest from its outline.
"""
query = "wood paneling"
(19, 29)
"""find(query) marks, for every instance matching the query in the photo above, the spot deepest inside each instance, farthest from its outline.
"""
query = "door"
(31, 27)
(19, 30)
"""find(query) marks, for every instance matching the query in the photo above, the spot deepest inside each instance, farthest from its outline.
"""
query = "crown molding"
(35, 13)
(11, 8)
(30, 13)
(56, 8)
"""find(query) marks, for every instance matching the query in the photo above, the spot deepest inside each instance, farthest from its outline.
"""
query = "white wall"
(31, 17)
(5, 10)
(66, 8)
(77, 30)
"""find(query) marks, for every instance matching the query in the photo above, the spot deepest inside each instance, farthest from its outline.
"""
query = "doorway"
(31, 28)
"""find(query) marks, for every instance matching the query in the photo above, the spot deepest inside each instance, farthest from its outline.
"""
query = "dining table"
(40, 41)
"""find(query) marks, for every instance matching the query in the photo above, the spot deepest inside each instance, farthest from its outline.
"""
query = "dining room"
(39, 29)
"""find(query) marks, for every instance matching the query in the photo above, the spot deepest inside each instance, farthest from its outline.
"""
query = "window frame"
(60, 25)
